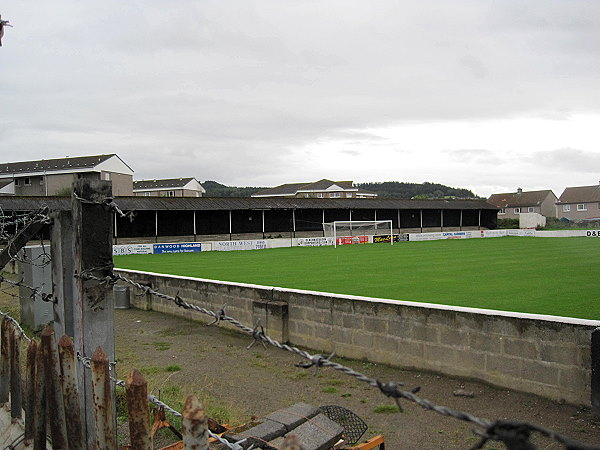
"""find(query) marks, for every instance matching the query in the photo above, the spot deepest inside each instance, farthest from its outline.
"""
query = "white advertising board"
(133, 249)
(239, 245)
(442, 235)
(315, 241)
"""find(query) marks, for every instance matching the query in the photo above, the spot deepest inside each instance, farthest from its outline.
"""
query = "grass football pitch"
(556, 276)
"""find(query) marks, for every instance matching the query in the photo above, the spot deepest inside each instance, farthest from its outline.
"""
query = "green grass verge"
(557, 276)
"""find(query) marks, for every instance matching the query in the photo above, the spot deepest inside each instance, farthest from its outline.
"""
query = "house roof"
(52, 165)
(167, 183)
(291, 189)
(4, 183)
(580, 194)
(247, 203)
(529, 198)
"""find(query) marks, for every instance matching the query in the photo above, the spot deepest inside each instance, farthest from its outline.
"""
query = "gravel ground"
(180, 357)
(216, 365)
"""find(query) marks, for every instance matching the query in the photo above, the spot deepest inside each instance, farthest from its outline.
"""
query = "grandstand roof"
(246, 203)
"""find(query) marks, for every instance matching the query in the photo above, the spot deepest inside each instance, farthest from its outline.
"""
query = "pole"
(93, 302)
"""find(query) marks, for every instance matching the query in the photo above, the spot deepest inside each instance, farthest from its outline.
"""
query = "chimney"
(519, 191)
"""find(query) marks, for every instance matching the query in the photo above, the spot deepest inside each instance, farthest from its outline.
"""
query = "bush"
(508, 223)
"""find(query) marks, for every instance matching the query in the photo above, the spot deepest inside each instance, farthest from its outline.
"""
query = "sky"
(483, 94)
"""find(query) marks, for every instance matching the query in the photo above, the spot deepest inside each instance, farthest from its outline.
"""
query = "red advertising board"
(352, 240)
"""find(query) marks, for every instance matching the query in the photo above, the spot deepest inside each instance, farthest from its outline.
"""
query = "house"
(581, 203)
(318, 189)
(171, 187)
(512, 204)
(55, 176)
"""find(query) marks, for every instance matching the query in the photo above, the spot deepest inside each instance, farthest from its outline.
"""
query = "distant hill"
(387, 189)
(396, 189)
(214, 189)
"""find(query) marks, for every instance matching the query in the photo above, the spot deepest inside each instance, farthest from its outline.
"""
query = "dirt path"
(181, 357)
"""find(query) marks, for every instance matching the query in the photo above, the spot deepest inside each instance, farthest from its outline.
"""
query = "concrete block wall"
(545, 355)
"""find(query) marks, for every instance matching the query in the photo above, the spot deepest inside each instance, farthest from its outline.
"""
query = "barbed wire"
(87, 363)
(110, 203)
(16, 324)
(514, 434)
(35, 291)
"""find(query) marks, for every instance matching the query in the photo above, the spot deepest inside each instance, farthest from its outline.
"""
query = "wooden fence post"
(93, 302)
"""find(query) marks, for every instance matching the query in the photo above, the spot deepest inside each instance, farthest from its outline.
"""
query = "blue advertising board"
(177, 248)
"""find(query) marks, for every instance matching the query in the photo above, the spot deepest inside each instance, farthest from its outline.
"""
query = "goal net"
(357, 231)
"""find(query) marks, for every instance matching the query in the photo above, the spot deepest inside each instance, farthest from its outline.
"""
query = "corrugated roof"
(161, 184)
(77, 162)
(580, 194)
(529, 198)
(245, 203)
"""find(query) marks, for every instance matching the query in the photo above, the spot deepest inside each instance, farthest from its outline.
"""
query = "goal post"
(356, 231)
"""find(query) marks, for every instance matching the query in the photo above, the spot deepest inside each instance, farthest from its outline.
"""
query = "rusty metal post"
(290, 443)
(103, 401)
(16, 404)
(68, 368)
(137, 408)
(39, 403)
(56, 406)
(5, 362)
(194, 425)
(32, 350)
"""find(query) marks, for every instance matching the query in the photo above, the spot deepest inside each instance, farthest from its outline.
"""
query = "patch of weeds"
(172, 368)
(300, 375)
(172, 332)
(153, 370)
(219, 413)
(259, 364)
(171, 391)
(346, 394)
(258, 355)
(363, 401)
(386, 409)
(161, 346)
(334, 382)
(329, 390)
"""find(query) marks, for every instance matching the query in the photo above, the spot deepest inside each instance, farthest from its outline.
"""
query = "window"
(17, 182)
(502, 211)
(349, 194)
(517, 210)
(306, 195)
(106, 176)
(170, 193)
(146, 194)
(334, 195)
(27, 181)
(41, 181)
(319, 195)
(530, 209)
(581, 207)
(566, 208)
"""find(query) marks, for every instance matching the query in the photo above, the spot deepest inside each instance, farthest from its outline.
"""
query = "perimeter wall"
(545, 355)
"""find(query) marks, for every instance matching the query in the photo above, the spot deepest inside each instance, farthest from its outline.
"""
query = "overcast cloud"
(480, 94)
